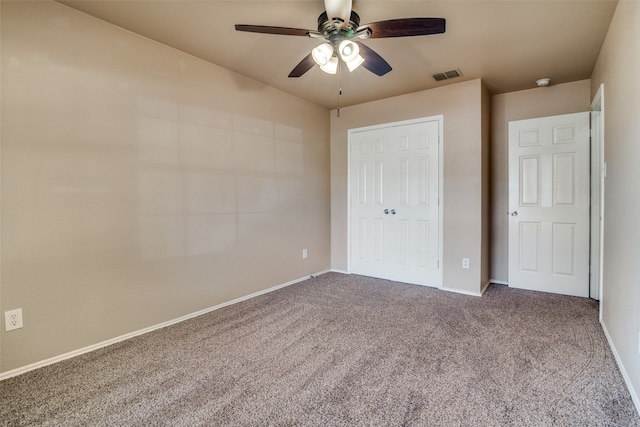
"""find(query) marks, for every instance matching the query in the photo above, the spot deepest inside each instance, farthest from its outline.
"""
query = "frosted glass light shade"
(348, 50)
(330, 67)
(350, 54)
(355, 63)
(322, 54)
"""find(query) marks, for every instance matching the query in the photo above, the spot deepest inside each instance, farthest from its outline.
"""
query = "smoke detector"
(543, 82)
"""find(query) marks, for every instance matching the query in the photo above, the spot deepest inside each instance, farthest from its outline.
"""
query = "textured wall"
(140, 184)
(618, 68)
(486, 186)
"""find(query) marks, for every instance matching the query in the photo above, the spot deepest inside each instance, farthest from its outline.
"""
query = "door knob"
(514, 213)
(386, 211)
(393, 211)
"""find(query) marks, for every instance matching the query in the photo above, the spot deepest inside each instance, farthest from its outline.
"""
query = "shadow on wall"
(211, 181)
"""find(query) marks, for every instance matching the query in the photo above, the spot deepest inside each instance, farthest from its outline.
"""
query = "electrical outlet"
(465, 262)
(304, 254)
(13, 319)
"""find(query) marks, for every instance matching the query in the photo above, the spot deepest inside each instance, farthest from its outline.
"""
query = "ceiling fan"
(338, 26)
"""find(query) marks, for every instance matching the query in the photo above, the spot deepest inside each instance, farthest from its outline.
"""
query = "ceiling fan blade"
(406, 27)
(265, 29)
(338, 9)
(372, 61)
(305, 65)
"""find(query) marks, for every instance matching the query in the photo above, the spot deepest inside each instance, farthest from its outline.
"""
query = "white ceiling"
(508, 43)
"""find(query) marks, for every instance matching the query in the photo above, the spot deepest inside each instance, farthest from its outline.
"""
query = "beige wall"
(539, 102)
(486, 186)
(461, 106)
(140, 184)
(618, 67)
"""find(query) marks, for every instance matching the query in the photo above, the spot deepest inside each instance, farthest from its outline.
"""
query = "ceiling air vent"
(447, 75)
(452, 74)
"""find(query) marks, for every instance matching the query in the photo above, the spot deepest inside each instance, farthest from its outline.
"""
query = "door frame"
(440, 119)
(598, 174)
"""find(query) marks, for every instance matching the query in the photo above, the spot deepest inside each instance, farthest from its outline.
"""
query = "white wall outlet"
(13, 319)
(304, 254)
(465, 262)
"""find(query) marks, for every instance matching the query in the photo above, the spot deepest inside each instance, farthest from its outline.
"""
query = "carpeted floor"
(346, 350)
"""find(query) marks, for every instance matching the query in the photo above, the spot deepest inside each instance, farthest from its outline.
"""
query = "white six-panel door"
(394, 213)
(549, 204)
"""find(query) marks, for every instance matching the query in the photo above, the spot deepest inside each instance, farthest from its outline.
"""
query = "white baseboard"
(90, 348)
(339, 271)
(627, 380)
(460, 291)
(320, 273)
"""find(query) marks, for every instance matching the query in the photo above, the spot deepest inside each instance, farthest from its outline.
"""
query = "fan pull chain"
(339, 87)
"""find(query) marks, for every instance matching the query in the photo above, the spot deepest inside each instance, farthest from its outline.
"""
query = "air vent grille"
(452, 74)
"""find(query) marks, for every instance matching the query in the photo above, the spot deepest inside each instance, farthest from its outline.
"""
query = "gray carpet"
(346, 350)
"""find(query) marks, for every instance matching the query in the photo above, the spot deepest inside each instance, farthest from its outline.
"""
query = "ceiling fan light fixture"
(354, 63)
(350, 54)
(337, 26)
(331, 67)
(348, 50)
(322, 54)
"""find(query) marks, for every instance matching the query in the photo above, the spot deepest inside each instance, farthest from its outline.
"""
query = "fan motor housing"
(328, 27)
